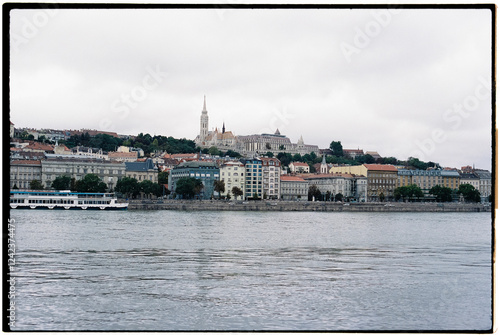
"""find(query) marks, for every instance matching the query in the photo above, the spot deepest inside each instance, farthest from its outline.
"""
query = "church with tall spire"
(224, 140)
(248, 145)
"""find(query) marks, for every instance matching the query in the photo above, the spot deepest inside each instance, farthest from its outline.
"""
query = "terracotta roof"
(291, 178)
(25, 161)
(380, 167)
(40, 146)
(132, 154)
(299, 164)
(180, 156)
(328, 175)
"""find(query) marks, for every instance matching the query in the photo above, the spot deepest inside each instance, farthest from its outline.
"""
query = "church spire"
(223, 127)
(204, 103)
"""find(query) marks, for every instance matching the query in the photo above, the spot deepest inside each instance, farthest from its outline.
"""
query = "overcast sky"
(403, 82)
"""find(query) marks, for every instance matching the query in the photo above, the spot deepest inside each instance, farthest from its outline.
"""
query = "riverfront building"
(352, 187)
(23, 172)
(484, 184)
(108, 172)
(207, 172)
(381, 179)
(271, 172)
(145, 170)
(293, 188)
(253, 178)
(233, 175)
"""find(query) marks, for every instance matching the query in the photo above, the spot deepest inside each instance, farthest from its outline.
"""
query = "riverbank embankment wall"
(215, 205)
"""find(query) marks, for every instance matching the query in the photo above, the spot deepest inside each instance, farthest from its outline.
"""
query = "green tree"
(442, 194)
(150, 188)
(285, 158)
(72, 184)
(470, 193)
(269, 154)
(91, 183)
(232, 153)
(339, 197)
(163, 177)
(297, 158)
(188, 187)
(416, 163)
(313, 192)
(219, 187)
(36, 184)
(381, 196)
(214, 151)
(128, 186)
(337, 149)
(237, 192)
(410, 192)
(61, 183)
(365, 159)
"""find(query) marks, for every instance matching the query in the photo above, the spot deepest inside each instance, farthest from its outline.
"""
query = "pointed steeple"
(204, 103)
(323, 167)
(223, 127)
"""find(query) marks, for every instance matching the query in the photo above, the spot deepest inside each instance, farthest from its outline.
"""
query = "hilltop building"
(249, 145)
(222, 140)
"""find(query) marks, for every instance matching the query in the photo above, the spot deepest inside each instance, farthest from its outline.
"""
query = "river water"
(169, 270)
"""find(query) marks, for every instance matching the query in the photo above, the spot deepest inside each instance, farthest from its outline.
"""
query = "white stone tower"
(324, 166)
(204, 121)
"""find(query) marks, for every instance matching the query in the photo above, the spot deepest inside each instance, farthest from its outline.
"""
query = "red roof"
(300, 164)
(328, 175)
(40, 146)
(26, 161)
(291, 178)
(380, 167)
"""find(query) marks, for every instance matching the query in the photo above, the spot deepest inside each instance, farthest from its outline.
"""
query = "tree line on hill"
(145, 142)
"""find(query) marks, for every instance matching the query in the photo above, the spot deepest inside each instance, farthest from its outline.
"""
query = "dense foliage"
(410, 192)
(442, 194)
(219, 187)
(61, 183)
(91, 183)
(237, 192)
(145, 142)
(36, 185)
(188, 187)
(469, 192)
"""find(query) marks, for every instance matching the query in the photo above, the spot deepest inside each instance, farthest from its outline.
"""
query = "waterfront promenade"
(318, 206)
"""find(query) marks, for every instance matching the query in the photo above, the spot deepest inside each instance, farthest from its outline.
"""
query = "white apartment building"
(233, 175)
(271, 172)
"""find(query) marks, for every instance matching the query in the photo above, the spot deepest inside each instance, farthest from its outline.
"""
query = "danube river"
(169, 270)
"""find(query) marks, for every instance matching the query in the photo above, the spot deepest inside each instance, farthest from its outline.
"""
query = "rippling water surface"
(167, 270)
